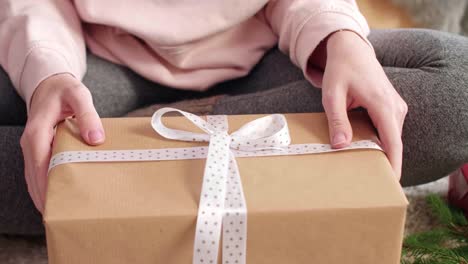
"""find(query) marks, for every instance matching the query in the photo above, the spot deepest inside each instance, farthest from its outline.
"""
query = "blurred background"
(445, 15)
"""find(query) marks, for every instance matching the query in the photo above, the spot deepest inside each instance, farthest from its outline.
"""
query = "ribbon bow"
(222, 202)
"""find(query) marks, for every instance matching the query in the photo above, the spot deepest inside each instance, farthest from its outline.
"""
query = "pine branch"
(447, 244)
(440, 209)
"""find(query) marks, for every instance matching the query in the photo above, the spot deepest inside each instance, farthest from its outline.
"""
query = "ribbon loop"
(176, 134)
(269, 132)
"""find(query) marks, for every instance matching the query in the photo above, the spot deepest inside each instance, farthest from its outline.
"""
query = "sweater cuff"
(320, 26)
(40, 64)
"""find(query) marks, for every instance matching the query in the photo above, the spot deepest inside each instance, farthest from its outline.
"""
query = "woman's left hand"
(353, 78)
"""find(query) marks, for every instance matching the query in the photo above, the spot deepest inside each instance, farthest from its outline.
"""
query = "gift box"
(330, 207)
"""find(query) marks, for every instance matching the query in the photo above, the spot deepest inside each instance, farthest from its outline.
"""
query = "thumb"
(89, 123)
(334, 103)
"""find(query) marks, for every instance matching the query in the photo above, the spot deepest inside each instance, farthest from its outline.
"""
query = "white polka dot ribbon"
(222, 204)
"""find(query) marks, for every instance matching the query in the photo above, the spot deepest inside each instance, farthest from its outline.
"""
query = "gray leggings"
(429, 69)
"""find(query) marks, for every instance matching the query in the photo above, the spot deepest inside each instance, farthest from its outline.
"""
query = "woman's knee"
(436, 128)
(451, 94)
(420, 49)
(435, 137)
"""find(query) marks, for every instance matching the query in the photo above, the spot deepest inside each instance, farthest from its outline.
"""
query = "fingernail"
(339, 138)
(95, 136)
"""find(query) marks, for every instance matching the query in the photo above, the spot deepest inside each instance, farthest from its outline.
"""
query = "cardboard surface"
(342, 207)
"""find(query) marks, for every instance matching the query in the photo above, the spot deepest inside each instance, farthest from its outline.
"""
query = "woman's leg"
(430, 71)
(117, 90)
(273, 70)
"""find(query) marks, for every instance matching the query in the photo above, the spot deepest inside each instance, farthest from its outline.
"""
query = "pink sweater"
(189, 44)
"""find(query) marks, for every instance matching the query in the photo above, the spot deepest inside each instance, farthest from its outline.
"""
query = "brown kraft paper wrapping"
(334, 208)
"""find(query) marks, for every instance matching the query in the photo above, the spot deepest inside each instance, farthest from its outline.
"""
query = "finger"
(401, 122)
(388, 127)
(335, 105)
(403, 111)
(31, 183)
(39, 139)
(36, 145)
(89, 123)
(39, 133)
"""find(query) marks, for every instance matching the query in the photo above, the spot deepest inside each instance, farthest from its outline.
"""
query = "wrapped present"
(265, 189)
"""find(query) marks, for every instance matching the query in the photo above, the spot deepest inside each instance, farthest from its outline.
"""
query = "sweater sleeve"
(39, 39)
(302, 24)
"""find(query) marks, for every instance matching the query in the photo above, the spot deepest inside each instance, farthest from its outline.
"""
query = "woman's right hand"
(56, 98)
